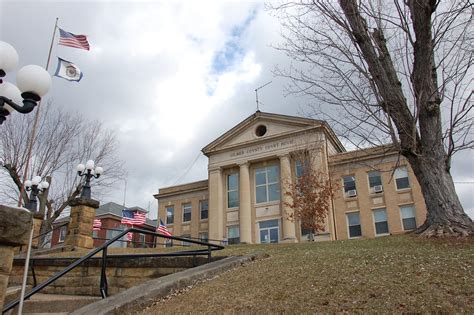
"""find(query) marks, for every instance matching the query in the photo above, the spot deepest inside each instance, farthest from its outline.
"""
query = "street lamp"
(33, 82)
(88, 171)
(35, 186)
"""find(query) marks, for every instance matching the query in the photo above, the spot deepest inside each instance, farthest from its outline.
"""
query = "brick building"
(110, 215)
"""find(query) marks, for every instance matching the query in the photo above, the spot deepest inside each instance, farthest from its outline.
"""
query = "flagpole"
(30, 147)
(33, 131)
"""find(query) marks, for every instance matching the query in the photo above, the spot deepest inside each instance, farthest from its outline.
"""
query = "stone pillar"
(245, 209)
(216, 205)
(320, 163)
(81, 219)
(289, 234)
(15, 228)
(37, 227)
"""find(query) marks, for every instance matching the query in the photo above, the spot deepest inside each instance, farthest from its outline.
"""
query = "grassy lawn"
(397, 274)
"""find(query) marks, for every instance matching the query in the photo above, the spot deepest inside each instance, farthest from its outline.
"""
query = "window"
(233, 190)
(375, 182)
(350, 186)
(141, 240)
(122, 242)
(168, 243)
(305, 232)
(269, 231)
(261, 130)
(300, 168)
(204, 237)
(233, 235)
(170, 215)
(62, 233)
(95, 234)
(353, 223)
(186, 243)
(267, 184)
(380, 219)
(187, 212)
(401, 178)
(204, 209)
(408, 217)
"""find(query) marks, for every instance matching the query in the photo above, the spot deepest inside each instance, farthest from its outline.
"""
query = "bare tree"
(310, 195)
(395, 72)
(62, 141)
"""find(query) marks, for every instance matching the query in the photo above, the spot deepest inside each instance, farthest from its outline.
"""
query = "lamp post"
(88, 171)
(33, 82)
(35, 186)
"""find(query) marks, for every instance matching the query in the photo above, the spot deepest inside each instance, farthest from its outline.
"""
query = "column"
(37, 228)
(320, 163)
(81, 219)
(245, 209)
(289, 234)
(216, 205)
(15, 227)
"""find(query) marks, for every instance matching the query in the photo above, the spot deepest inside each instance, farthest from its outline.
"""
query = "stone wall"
(122, 273)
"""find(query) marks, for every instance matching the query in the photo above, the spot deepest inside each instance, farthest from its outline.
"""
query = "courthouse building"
(251, 166)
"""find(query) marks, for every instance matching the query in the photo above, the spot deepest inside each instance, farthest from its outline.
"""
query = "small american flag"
(71, 40)
(162, 229)
(97, 225)
(129, 217)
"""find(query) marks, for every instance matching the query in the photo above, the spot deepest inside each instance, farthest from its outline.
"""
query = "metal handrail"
(103, 278)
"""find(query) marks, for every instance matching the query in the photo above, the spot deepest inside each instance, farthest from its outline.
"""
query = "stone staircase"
(80, 287)
(54, 304)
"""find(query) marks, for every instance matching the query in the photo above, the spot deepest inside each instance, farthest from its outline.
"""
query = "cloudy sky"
(168, 77)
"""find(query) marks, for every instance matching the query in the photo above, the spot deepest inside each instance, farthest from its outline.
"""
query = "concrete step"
(55, 303)
(14, 292)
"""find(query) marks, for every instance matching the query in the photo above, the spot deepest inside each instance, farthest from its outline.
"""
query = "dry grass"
(399, 274)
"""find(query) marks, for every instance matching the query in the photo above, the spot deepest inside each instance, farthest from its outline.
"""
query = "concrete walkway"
(144, 295)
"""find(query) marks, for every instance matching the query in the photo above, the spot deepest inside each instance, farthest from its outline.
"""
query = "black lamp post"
(88, 171)
(33, 82)
(35, 186)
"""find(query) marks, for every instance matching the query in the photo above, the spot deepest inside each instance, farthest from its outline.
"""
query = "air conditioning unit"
(352, 193)
(378, 188)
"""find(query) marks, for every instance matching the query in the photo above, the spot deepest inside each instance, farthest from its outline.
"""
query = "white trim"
(347, 224)
(65, 228)
(373, 222)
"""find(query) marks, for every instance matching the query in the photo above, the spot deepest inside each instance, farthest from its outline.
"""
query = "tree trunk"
(445, 215)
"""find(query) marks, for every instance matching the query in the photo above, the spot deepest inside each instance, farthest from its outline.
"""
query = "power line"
(188, 169)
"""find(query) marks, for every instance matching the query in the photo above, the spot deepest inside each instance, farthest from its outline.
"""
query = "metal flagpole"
(30, 147)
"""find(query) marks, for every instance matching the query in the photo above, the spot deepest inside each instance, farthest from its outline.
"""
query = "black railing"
(103, 276)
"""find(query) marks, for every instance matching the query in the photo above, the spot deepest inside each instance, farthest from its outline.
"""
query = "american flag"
(162, 229)
(97, 225)
(71, 40)
(130, 217)
(129, 236)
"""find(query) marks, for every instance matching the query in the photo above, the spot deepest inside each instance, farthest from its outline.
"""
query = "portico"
(257, 155)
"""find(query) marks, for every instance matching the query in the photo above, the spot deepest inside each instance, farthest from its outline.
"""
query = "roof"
(258, 115)
(362, 154)
(179, 189)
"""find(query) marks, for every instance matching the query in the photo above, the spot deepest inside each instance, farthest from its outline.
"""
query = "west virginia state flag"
(68, 71)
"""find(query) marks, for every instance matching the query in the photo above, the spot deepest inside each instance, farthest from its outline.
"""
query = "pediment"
(260, 127)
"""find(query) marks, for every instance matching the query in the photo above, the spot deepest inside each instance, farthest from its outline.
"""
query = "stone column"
(81, 219)
(289, 234)
(15, 228)
(37, 227)
(216, 205)
(245, 209)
